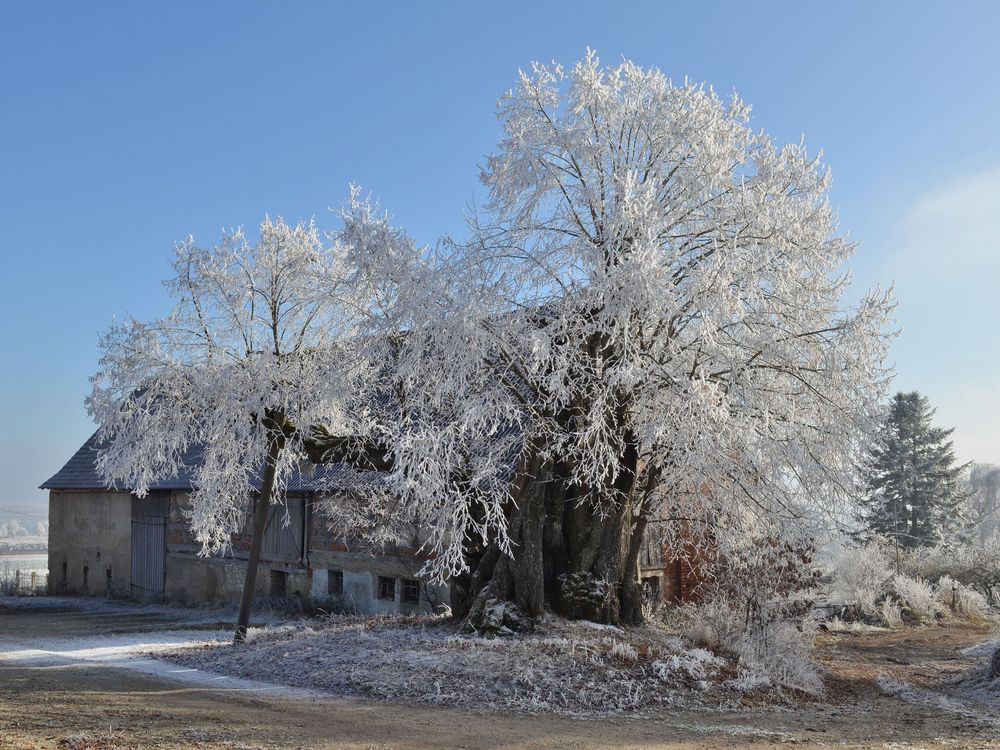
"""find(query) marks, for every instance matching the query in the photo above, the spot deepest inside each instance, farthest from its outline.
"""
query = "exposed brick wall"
(681, 570)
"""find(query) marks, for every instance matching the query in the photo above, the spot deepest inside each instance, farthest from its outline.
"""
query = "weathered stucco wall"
(91, 534)
(197, 580)
(92, 531)
(360, 573)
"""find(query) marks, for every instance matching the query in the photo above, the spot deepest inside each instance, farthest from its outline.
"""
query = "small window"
(86, 575)
(387, 588)
(65, 574)
(335, 582)
(411, 591)
(279, 583)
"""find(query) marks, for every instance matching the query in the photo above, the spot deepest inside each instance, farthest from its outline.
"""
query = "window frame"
(333, 574)
(382, 587)
(410, 591)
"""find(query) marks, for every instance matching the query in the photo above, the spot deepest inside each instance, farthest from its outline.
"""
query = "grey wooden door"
(283, 542)
(149, 544)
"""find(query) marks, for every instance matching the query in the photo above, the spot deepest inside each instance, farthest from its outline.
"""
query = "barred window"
(386, 588)
(411, 591)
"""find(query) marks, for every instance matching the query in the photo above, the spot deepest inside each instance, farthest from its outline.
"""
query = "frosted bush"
(757, 608)
(783, 656)
(710, 625)
(919, 596)
(962, 600)
(891, 613)
(624, 651)
(696, 664)
(861, 575)
(836, 625)
(747, 681)
(267, 632)
(775, 653)
(975, 566)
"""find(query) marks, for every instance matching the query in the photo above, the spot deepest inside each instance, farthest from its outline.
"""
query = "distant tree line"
(13, 528)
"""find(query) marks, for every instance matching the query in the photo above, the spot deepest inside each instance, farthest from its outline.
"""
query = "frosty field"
(74, 672)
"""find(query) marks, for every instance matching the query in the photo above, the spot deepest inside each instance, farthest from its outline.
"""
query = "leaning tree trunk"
(261, 507)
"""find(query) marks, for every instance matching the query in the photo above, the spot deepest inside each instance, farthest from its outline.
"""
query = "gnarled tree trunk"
(578, 556)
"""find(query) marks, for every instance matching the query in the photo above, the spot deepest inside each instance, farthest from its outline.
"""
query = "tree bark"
(555, 537)
(261, 508)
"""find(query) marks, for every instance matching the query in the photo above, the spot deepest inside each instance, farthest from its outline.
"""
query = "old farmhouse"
(108, 542)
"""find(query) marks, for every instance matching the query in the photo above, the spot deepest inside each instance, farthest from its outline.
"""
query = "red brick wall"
(684, 572)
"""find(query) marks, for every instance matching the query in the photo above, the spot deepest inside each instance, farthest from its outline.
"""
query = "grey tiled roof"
(80, 473)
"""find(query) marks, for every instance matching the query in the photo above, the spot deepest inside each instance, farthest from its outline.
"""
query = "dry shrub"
(757, 607)
(962, 601)
(891, 613)
(861, 577)
(975, 566)
(867, 589)
(919, 597)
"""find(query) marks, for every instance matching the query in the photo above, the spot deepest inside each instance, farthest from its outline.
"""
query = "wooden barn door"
(149, 544)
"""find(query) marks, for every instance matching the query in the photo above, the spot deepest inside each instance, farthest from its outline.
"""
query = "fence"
(16, 580)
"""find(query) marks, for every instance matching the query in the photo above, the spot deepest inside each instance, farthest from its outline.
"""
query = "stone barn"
(108, 542)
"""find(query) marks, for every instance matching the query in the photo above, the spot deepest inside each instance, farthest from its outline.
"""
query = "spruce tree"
(915, 489)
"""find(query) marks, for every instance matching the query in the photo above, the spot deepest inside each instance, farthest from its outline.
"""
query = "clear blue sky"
(126, 126)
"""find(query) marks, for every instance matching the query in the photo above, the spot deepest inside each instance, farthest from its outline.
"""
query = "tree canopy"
(644, 333)
(645, 324)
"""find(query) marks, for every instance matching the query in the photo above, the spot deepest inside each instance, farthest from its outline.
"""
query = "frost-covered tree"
(647, 324)
(915, 490)
(11, 529)
(984, 499)
(244, 357)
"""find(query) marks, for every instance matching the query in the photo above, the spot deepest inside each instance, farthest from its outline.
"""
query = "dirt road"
(90, 706)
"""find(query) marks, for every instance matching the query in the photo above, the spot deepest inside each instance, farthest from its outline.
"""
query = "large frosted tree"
(646, 325)
(644, 331)
(245, 357)
(916, 495)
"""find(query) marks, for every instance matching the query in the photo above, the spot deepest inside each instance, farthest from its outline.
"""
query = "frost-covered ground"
(977, 684)
(80, 669)
(565, 667)
(121, 634)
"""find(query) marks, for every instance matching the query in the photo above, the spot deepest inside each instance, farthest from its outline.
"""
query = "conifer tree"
(915, 492)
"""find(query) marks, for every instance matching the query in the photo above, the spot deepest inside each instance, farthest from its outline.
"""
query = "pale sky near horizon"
(126, 126)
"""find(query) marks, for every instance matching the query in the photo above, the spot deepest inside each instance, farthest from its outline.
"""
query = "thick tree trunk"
(578, 556)
(259, 525)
